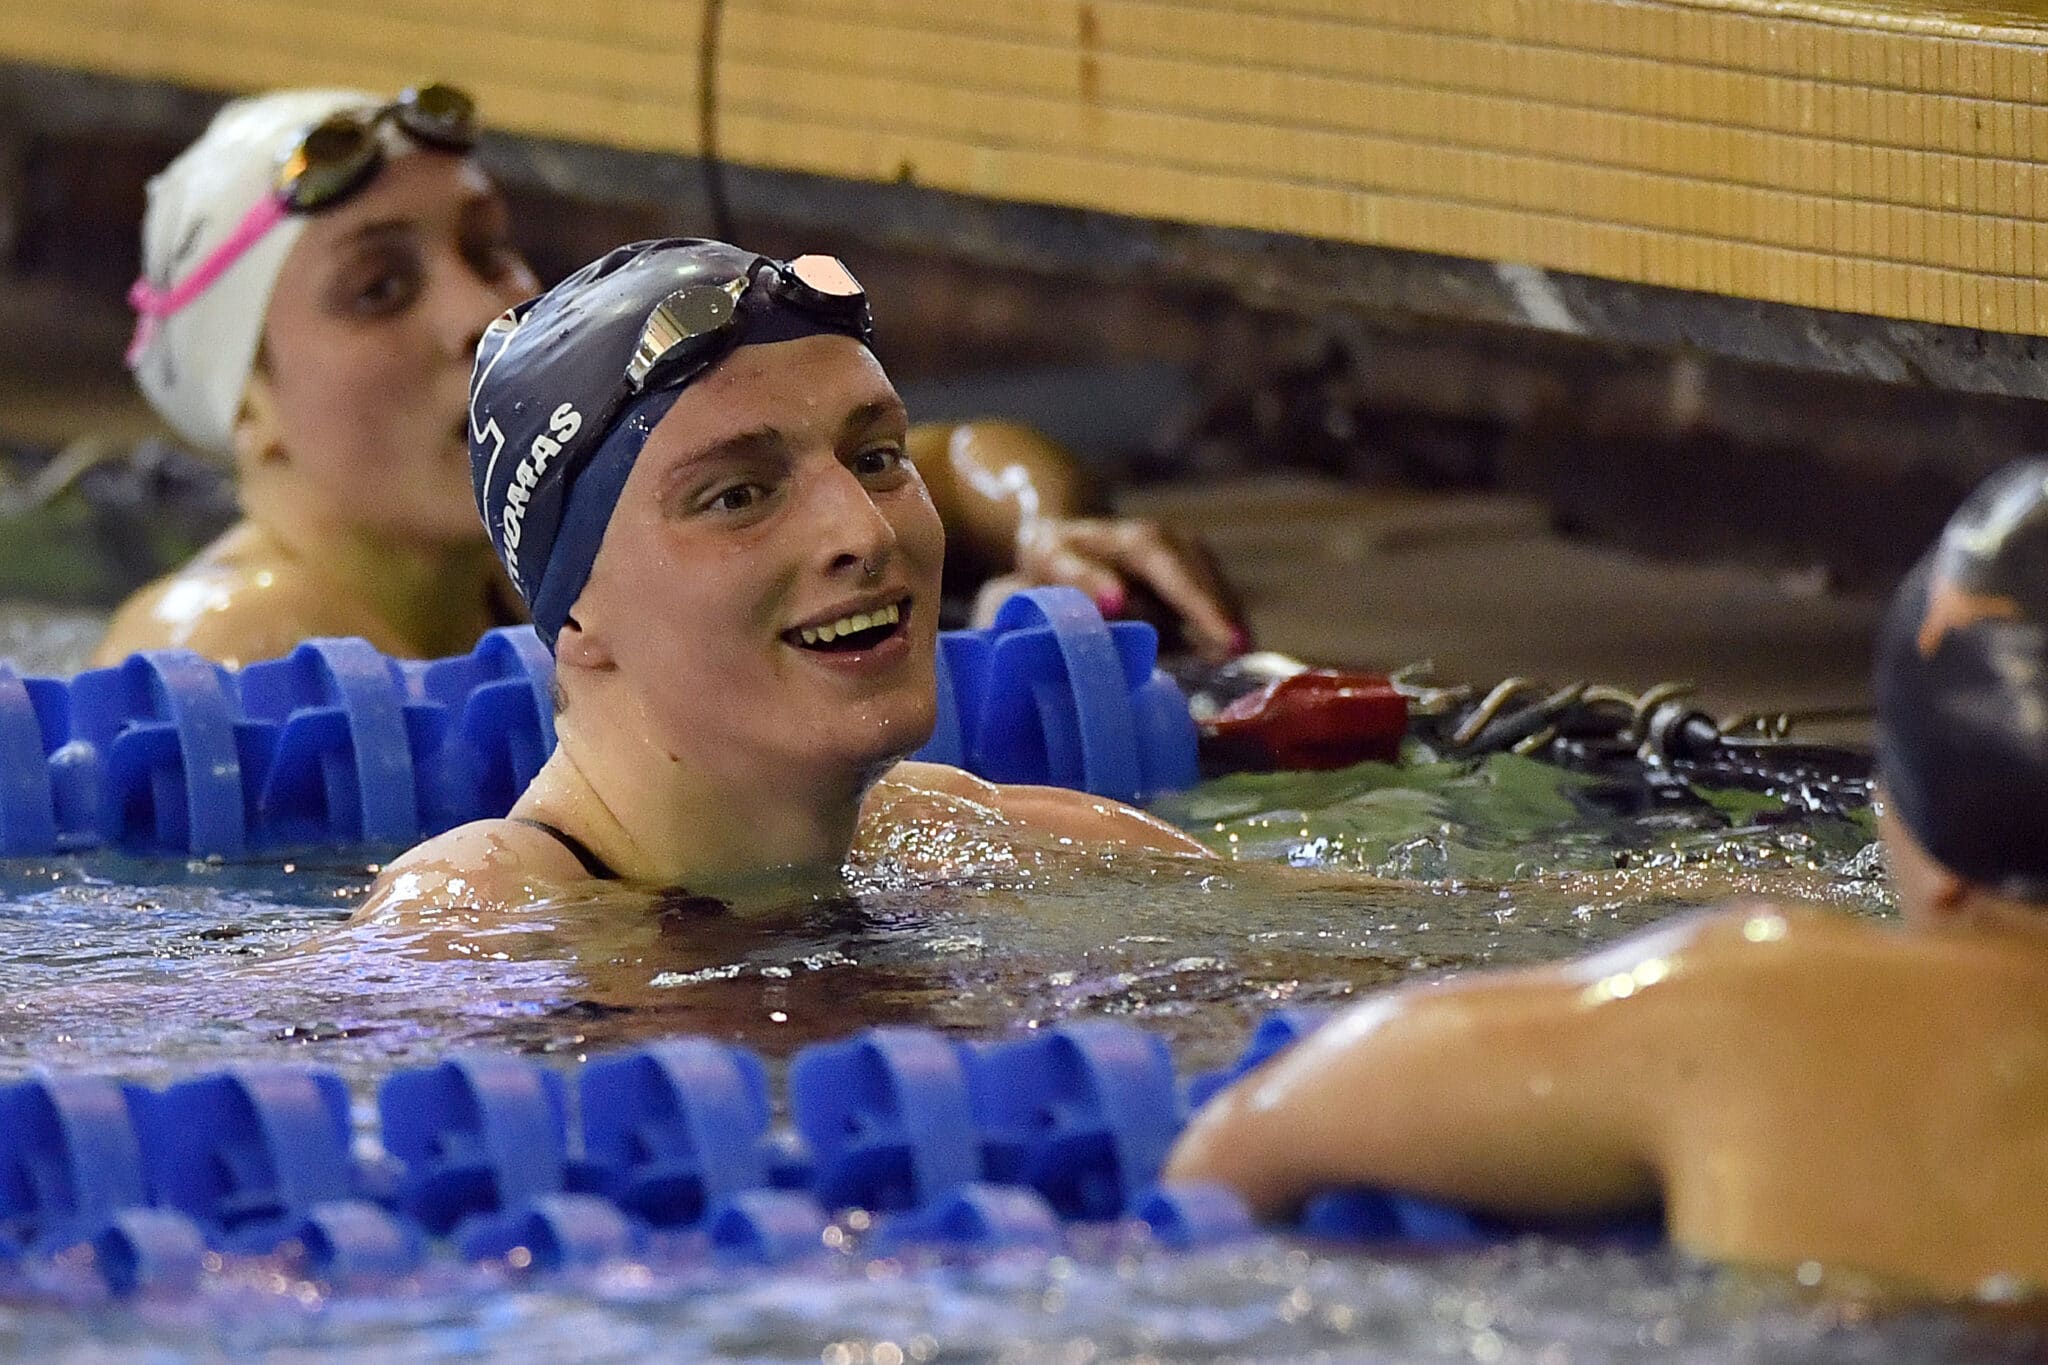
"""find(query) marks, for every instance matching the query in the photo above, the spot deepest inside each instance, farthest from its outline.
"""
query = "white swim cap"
(196, 364)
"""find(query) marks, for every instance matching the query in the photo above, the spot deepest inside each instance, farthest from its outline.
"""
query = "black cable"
(707, 122)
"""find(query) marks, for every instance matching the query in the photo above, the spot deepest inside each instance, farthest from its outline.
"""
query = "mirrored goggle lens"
(681, 329)
(328, 163)
(440, 115)
(826, 276)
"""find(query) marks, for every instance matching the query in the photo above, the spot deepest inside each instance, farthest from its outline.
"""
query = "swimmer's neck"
(433, 599)
(657, 820)
(1934, 899)
(1987, 916)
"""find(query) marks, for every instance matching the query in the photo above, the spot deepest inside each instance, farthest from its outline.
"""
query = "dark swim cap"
(1962, 689)
(555, 422)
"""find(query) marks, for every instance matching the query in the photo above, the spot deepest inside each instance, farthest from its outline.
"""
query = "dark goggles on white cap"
(341, 153)
(333, 160)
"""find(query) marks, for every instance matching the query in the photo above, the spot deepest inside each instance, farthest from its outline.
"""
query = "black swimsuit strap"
(597, 867)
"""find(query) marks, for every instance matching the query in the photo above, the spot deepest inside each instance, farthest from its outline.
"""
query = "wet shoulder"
(914, 790)
(483, 865)
(1747, 926)
(1765, 937)
(1727, 957)
(233, 603)
(1794, 952)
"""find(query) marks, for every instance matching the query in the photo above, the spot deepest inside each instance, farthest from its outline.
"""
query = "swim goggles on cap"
(690, 329)
(333, 160)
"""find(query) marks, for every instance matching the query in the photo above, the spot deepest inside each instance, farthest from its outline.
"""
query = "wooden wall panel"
(1889, 157)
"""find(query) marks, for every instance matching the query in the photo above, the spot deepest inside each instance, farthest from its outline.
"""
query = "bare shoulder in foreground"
(1796, 1086)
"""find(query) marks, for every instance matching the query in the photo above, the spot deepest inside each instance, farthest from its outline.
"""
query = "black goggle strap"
(822, 285)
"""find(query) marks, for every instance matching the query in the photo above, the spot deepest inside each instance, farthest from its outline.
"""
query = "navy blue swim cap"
(1962, 689)
(568, 385)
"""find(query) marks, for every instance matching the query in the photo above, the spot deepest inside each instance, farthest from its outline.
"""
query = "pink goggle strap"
(153, 305)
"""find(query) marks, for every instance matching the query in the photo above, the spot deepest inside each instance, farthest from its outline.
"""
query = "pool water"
(154, 968)
(157, 969)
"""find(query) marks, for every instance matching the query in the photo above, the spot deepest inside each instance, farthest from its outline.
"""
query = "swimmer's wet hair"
(1962, 690)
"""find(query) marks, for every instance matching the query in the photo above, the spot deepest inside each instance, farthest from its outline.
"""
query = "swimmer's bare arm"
(1532, 1092)
(1015, 505)
(987, 477)
(487, 865)
(1055, 811)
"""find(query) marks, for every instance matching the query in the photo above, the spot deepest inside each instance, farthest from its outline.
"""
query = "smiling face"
(768, 586)
(368, 345)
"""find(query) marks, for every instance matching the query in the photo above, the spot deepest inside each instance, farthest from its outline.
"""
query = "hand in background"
(1131, 568)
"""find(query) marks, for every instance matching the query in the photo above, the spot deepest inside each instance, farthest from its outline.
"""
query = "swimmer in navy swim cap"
(693, 467)
(1963, 703)
(1794, 1086)
(317, 269)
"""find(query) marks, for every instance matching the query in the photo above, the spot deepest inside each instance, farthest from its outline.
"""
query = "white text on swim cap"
(563, 423)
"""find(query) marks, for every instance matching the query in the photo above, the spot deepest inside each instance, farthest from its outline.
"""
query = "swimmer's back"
(1843, 1093)
(1798, 1084)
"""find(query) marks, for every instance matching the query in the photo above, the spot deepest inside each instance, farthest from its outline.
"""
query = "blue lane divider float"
(1083, 1114)
(673, 1130)
(143, 1250)
(939, 1144)
(1053, 694)
(484, 1142)
(69, 1160)
(246, 1153)
(767, 1227)
(887, 1119)
(336, 745)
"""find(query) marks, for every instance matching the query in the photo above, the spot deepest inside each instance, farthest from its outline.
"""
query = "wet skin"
(702, 743)
(1004, 486)
(1797, 1086)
